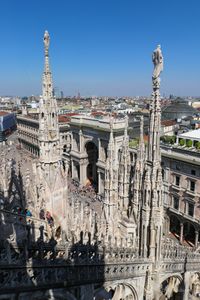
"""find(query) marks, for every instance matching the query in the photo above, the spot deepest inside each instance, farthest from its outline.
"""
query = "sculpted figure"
(157, 59)
(46, 39)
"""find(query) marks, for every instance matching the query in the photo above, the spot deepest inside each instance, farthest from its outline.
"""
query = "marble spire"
(48, 116)
(47, 88)
(155, 111)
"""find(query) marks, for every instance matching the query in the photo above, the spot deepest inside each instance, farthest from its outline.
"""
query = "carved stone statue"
(157, 59)
(46, 39)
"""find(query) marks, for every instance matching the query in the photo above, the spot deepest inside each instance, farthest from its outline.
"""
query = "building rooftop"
(178, 109)
(101, 124)
(193, 134)
(168, 122)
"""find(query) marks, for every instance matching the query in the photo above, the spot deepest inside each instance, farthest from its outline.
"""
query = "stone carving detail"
(157, 59)
(46, 40)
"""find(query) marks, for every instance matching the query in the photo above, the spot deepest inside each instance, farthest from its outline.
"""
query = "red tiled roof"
(66, 117)
(3, 113)
(168, 122)
(97, 113)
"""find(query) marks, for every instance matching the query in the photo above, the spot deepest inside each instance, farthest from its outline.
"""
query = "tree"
(197, 145)
(181, 142)
(133, 143)
(188, 143)
(169, 139)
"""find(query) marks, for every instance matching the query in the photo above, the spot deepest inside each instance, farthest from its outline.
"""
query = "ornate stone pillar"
(145, 241)
(83, 167)
(186, 283)
(153, 241)
(81, 141)
(73, 169)
(99, 182)
(100, 150)
(196, 238)
(181, 232)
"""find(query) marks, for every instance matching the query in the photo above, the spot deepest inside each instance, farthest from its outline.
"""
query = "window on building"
(193, 172)
(177, 180)
(176, 202)
(190, 209)
(192, 186)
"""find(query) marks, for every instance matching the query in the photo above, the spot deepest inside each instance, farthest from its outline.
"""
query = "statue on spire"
(157, 59)
(46, 40)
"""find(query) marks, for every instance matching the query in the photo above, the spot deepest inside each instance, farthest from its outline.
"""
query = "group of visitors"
(88, 192)
(48, 217)
(24, 212)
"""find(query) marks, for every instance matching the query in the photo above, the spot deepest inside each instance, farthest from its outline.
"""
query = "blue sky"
(100, 47)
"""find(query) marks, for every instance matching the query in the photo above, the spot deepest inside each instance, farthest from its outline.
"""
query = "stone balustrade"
(27, 264)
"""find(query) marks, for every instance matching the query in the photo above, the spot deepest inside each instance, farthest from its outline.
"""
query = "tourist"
(28, 213)
(50, 219)
(42, 214)
(1, 203)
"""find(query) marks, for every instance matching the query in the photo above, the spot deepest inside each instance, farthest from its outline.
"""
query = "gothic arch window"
(170, 288)
(121, 292)
(52, 115)
(42, 115)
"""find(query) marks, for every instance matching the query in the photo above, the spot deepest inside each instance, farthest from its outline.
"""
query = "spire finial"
(47, 80)
(46, 41)
(157, 59)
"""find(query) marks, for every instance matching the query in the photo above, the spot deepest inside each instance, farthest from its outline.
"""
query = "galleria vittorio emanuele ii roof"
(178, 109)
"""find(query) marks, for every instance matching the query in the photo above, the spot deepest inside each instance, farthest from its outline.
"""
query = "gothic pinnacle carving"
(47, 77)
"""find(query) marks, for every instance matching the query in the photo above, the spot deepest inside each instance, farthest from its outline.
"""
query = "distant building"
(181, 178)
(7, 124)
(169, 127)
(193, 136)
(178, 110)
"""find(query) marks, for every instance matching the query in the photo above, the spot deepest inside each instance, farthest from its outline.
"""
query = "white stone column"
(181, 233)
(186, 283)
(196, 238)
(144, 241)
(83, 168)
(81, 141)
(152, 242)
(100, 150)
(73, 169)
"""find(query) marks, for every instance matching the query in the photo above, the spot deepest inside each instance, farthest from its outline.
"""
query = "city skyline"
(100, 49)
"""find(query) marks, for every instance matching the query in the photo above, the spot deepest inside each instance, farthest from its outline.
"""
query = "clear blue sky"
(100, 47)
